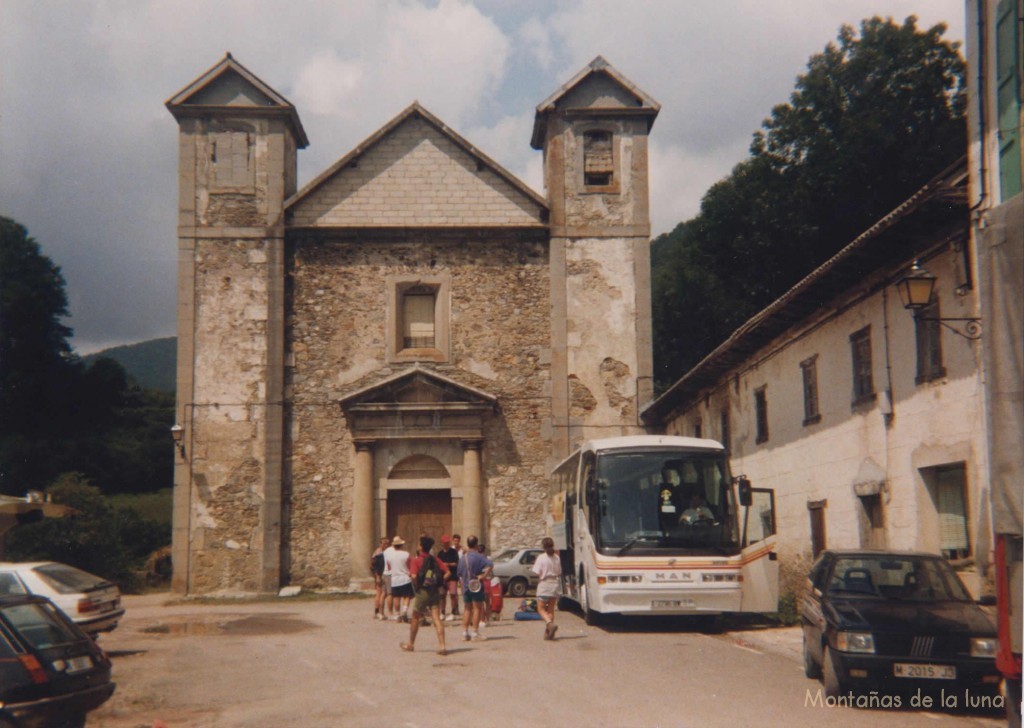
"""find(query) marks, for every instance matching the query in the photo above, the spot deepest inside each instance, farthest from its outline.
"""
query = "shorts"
(403, 590)
(452, 587)
(425, 599)
(469, 597)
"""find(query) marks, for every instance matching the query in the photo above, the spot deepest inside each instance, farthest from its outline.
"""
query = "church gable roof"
(416, 172)
(229, 86)
(597, 89)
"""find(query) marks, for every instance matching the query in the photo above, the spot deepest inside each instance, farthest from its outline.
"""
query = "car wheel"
(830, 676)
(811, 668)
(517, 588)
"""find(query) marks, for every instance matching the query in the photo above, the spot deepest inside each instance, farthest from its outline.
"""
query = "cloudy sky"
(88, 151)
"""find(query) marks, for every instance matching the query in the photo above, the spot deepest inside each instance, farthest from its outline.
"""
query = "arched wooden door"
(413, 512)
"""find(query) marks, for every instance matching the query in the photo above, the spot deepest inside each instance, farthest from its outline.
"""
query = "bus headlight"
(621, 579)
(855, 642)
(706, 578)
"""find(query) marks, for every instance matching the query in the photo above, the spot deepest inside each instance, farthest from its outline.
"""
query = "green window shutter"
(1008, 81)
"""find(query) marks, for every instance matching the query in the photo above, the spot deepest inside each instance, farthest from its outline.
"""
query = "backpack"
(429, 575)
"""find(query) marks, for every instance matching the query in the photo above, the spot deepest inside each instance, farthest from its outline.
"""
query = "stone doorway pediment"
(417, 403)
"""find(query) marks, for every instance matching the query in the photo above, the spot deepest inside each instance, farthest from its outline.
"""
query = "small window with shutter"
(598, 159)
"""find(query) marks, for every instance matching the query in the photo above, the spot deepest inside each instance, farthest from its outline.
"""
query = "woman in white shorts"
(548, 567)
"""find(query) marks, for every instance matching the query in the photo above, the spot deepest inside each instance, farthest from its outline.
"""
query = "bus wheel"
(589, 615)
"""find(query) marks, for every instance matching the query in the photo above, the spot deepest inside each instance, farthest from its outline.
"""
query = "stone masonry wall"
(500, 332)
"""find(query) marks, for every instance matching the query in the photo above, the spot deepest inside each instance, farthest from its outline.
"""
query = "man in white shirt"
(397, 562)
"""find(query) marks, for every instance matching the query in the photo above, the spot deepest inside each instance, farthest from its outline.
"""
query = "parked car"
(896, 622)
(51, 672)
(92, 602)
(513, 568)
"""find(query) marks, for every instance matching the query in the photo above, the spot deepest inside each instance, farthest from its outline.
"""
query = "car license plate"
(672, 604)
(928, 672)
(78, 664)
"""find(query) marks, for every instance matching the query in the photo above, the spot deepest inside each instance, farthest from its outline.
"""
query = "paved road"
(326, 663)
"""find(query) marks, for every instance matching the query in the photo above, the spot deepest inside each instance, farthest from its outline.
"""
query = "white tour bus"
(653, 524)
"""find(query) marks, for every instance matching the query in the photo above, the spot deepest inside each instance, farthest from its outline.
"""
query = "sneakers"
(450, 618)
(465, 637)
(477, 637)
(549, 630)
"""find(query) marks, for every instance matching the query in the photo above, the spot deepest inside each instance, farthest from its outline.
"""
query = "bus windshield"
(664, 499)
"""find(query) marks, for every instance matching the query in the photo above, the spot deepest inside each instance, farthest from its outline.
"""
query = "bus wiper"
(634, 541)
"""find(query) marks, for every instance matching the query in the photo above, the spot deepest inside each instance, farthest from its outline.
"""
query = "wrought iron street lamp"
(916, 290)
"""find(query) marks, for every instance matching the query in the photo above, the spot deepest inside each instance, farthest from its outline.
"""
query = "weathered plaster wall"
(601, 336)
(923, 425)
(227, 416)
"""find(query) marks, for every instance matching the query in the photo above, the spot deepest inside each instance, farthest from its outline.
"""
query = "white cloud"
(89, 151)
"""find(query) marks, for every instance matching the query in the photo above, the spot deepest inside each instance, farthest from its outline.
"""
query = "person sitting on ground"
(428, 575)
(697, 511)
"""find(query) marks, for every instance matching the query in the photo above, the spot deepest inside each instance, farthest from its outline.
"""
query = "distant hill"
(151, 364)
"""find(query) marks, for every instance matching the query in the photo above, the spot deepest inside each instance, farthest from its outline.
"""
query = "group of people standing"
(409, 587)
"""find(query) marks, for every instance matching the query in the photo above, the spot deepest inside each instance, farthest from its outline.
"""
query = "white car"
(514, 567)
(91, 602)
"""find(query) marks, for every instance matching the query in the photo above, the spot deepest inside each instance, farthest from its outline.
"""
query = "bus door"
(760, 565)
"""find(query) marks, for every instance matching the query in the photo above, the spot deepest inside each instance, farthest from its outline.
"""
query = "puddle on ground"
(251, 625)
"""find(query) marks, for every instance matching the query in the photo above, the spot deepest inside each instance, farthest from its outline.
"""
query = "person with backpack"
(428, 576)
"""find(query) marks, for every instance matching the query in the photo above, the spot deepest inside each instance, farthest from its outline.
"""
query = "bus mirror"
(746, 497)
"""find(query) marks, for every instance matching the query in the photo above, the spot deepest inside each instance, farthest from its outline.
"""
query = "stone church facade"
(406, 344)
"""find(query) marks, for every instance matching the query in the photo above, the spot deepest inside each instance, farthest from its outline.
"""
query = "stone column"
(472, 495)
(362, 517)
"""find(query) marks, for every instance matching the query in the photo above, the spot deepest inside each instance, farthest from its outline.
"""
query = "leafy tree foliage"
(99, 538)
(56, 414)
(871, 120)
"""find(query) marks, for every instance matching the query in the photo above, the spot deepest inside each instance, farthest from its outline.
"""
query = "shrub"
(97, 537)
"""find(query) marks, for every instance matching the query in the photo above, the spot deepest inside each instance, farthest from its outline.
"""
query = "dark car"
(51, 672)
(897, 623)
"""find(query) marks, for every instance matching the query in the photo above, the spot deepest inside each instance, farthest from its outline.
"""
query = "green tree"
(97, 537)
(871, 120)
(56, 414)
(38, 372)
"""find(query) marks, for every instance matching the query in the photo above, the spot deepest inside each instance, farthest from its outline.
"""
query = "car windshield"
(903, 578)
(505, 555)
(39, 625)
(67, 579)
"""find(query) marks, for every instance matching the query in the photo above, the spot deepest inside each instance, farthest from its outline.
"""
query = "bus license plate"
(928, 672)
(672, 604)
